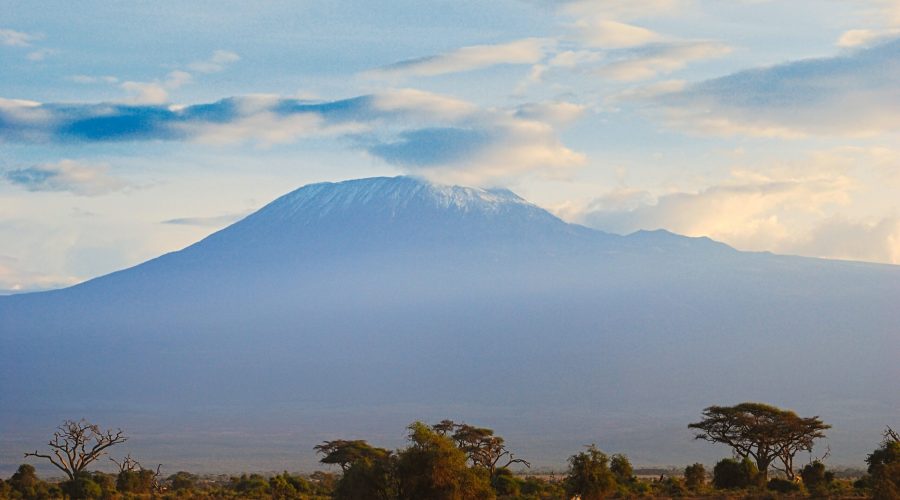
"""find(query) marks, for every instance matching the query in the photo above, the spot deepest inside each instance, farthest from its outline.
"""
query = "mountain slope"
(362, 305)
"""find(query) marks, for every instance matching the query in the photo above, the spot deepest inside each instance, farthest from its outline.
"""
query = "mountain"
(351, 309)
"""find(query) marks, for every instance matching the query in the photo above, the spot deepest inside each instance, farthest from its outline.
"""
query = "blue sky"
(130, 129)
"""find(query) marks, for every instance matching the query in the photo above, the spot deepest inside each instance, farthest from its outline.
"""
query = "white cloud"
(526, 51)
(215, 221)
(651, 91)
(146, 92)
(86, 79)
(865, 37)
(419, 103)
(874, 240)
(267, 129)
(14, 279)
(217, 62)
(40, 54)
(608, 34)
(659, 59)
(555, 112)
(79, 178)
(14, 38)
(751, 210)
(620, 9)
(156, 92)
(573, 58)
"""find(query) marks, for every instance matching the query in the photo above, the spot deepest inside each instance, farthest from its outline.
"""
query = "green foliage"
(782, 485)
(672, 487)
(505, 484)
(589, 474)
(694, 476)
(884, 467)
(621, 467)
(762, 432)
(481, 446)
(135, 481)
(369, 472)
(82, 486)
(433, 467)
(252, 486)
(182, 480)
(730, 474)
(816, 479)
(24, 483)
(534, 488)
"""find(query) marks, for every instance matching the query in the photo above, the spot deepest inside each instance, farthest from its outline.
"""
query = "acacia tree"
(75, 445)
(368, 472)
(761, 432)
(481, 446)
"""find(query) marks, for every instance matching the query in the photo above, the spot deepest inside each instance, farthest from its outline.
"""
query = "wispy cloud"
(156, 92)
(209, 221)
(652, 60)
(853, 95)
(40, 54)
(79, 178)
(217, 62)
(13, 38)
(526, 51)
(13, 279)
(608, 34)
(618, 9)
(417, 130)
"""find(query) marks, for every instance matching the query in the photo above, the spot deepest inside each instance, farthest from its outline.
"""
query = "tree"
(134, 478)
(27, 485)
(621, 467)
(481, 446)
(816, 478)
(368, 472)
(589, 475)
(75, 445)
(762, 432)
(884, 467)
(182, 481)
(694, 476)
(433, 467)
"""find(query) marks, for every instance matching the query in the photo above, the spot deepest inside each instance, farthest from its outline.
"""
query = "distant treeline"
(456, 461)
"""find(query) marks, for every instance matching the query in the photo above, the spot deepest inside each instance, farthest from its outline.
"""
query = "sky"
(132, 129)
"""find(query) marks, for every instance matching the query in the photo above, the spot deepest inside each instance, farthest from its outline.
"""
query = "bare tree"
(75, 445)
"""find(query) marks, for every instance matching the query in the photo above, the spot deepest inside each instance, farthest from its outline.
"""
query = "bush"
(782, 485)
(816, 478)
(730, 474)
(83, 486)
(589, 475)
(182, 480)
(505, 483)
(694, 476)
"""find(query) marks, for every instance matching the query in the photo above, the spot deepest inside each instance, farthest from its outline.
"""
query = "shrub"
(694, 476)
(731, 474)
(782, 485)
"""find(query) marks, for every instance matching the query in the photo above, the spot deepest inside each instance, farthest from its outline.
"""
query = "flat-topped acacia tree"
(75, 445)
(761, 432)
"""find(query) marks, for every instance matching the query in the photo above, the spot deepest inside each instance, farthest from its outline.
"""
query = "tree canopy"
(762, 432)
